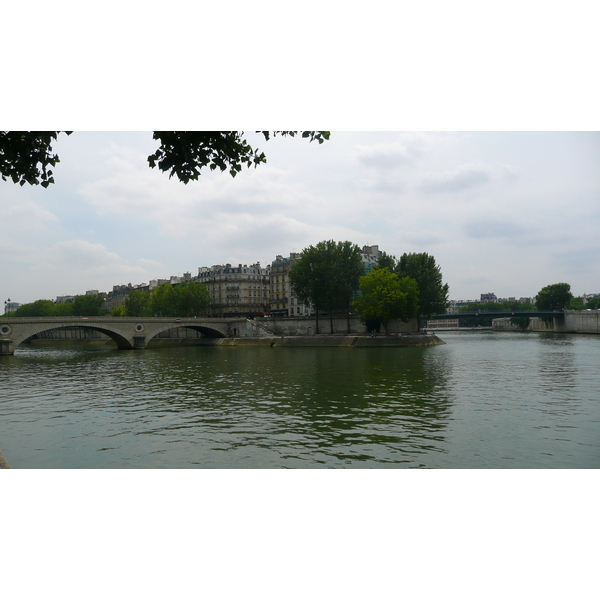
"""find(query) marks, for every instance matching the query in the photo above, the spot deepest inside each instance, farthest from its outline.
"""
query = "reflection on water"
(492, 400)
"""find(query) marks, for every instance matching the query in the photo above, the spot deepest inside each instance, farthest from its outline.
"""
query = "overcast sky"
(501, 212)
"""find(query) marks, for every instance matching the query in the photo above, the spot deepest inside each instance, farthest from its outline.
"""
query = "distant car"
(85, 318)
(177, 320)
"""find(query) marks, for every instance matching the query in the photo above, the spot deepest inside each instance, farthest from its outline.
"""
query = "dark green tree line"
(88, 305)
(188, 299)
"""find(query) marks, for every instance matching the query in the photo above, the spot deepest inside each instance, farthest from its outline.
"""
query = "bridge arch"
(205, 330)
(122, 342)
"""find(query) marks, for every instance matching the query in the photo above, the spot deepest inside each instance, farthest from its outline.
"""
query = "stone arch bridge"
(127, 332)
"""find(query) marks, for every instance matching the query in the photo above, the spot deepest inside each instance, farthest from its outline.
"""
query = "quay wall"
(331, 341)
(307, 326)
(574, 321)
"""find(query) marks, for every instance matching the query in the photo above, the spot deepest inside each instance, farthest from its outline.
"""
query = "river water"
(483, 400)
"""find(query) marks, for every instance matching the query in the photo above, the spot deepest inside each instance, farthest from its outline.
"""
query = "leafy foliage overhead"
(25, 156)
(186, 153)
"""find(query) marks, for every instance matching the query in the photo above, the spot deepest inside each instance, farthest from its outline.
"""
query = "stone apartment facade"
(282, 300)
(236, 291)
(369, 256)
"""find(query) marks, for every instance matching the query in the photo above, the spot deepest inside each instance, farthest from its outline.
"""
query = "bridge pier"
(6, 347)
(139, 342)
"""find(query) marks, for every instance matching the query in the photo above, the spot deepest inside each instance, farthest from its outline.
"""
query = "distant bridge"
(500, 314)
(127, 332)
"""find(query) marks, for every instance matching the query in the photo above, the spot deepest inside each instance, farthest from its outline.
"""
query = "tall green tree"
(25, 156)
(348, 269)
(182, 300)
(326, 276)
(90, 305)
(386, 260)
(190, 299)
(556, 296)
(161, 301)
(137, 304)
(308, 278)
(386, 296)
(433, 292)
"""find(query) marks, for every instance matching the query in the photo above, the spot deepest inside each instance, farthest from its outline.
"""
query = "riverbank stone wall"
(574, 321)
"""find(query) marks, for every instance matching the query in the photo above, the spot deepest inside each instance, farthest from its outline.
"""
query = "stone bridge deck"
(127, 332)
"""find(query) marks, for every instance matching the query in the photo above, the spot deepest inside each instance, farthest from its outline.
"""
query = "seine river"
(483, 400)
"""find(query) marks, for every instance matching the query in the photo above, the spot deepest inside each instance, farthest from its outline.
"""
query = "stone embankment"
(574, 321)
(330, 341)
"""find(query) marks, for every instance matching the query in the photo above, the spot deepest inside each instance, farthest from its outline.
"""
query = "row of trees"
(556, 296)
(330, 274)
(90, 305)
(189, 299)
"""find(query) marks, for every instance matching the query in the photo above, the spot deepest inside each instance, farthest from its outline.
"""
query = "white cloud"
(463, 178)
(74, 266)
(86, 258)
(26, 215)
(391, 156)
(215, 203)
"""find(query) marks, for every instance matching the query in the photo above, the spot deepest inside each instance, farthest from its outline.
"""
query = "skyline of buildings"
(254, 290)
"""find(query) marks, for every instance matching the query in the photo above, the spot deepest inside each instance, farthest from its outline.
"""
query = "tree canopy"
(433, 293)
(593, 303)
(326, 276)
(91, 305)
(25, 156)
(187, 299)
(88, 305)
(137, 304)
(386, 296)
(556, 296)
